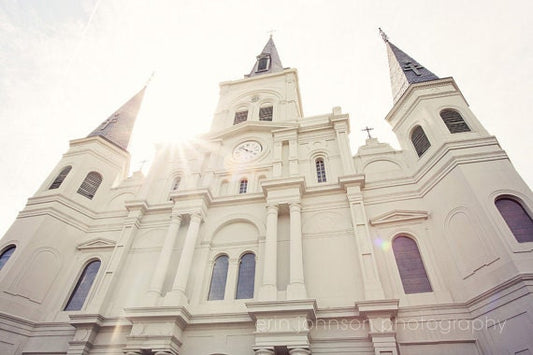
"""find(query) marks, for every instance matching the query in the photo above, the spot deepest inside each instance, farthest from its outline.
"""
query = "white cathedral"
(267, 235)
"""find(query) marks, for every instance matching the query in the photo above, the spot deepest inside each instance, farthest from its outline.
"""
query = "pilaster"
(269, 289)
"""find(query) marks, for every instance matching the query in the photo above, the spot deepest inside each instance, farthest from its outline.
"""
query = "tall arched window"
(245, 283)
(243, 186)
(176, 184)
(79, 295)
(410, 266)
(420, 140)
(6, 254)
(89, 186)
(454, 121)
(218, 279)
(320, 170)
(517, 218)
(59, 179)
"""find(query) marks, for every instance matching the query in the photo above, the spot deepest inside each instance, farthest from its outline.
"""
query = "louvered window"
(90, 185)
(265, 113)
(320, 170)
(59, 179)
(240, 116)
(454, 121)
(410, 266)
(420, 141)
(245, 283)
(218, 279)
(6, 254)
(243, 186)
(86, 280)
(517, 218)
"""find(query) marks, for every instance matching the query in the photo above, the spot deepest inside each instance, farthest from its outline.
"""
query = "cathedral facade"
(267, 235)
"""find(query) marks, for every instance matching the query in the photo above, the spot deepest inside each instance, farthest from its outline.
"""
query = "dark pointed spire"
(118, 127)
(404, 70)
(268, 61)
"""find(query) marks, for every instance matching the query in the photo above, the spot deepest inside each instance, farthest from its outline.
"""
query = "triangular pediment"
(397, 216)
(98, 243)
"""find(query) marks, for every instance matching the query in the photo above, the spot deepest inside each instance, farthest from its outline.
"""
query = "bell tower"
(269, 93)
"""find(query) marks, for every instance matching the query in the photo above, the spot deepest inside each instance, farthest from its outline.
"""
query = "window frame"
(268, 61)
(212, 275)
(60, 178)
(524, 208)
(238, 116)
(320, 171)
(243, 186)
(266, 107)
(420, 150)
(252, 277)
(452, 123)
(78, 280)
(5, 250)
(399, 268)
(84, 186)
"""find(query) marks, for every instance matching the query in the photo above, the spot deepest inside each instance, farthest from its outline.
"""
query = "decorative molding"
(396, 216)
(98, 243)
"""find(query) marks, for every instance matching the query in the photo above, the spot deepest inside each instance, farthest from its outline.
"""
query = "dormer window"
(263, 63)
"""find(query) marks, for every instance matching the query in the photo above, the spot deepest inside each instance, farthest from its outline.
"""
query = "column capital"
(264, 351)
(296, 206)
(196, 216)
(272, 207)
(299, 351)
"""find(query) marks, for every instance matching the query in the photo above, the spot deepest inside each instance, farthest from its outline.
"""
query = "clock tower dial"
(247, 151)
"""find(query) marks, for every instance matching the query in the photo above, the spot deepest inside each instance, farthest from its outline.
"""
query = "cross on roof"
(141, 164)
(271, 32)
(368, 131)
(109, 121)
(412, 66)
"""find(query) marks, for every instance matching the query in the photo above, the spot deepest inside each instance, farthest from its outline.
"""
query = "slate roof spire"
(404, 70)
(268, 61)
(117, 128)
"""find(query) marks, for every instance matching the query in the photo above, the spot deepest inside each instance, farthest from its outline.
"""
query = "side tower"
(57, 245)
(476, 235)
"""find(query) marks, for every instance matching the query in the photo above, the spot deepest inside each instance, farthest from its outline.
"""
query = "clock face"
(247, 151)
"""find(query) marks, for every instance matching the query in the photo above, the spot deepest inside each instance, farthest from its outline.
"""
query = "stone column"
(233, 270)
(344, 148)
(177, 295)
(276, 159)
(268, 289)
(163, 262)
(299, 351)
(296, 288)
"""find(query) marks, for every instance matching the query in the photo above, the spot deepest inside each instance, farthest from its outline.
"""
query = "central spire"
(268, 61)
(404, 70)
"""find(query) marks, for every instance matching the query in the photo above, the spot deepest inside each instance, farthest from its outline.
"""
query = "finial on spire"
(149, 79)
(383, 35)
(271, 32)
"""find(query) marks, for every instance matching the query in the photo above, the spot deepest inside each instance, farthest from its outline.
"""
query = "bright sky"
(65, 66)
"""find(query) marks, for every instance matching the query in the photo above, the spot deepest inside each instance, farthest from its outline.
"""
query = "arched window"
(410, 266)
(59, 179)
(517, 218)
(6, 254)
(240, 116)
(320, 170)
(218, 279)
(454, 121)
(265, 113)
(89, 186)
(245, 283)
(176, 184)
(243, 186)
(79, 295)
(420, 140)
